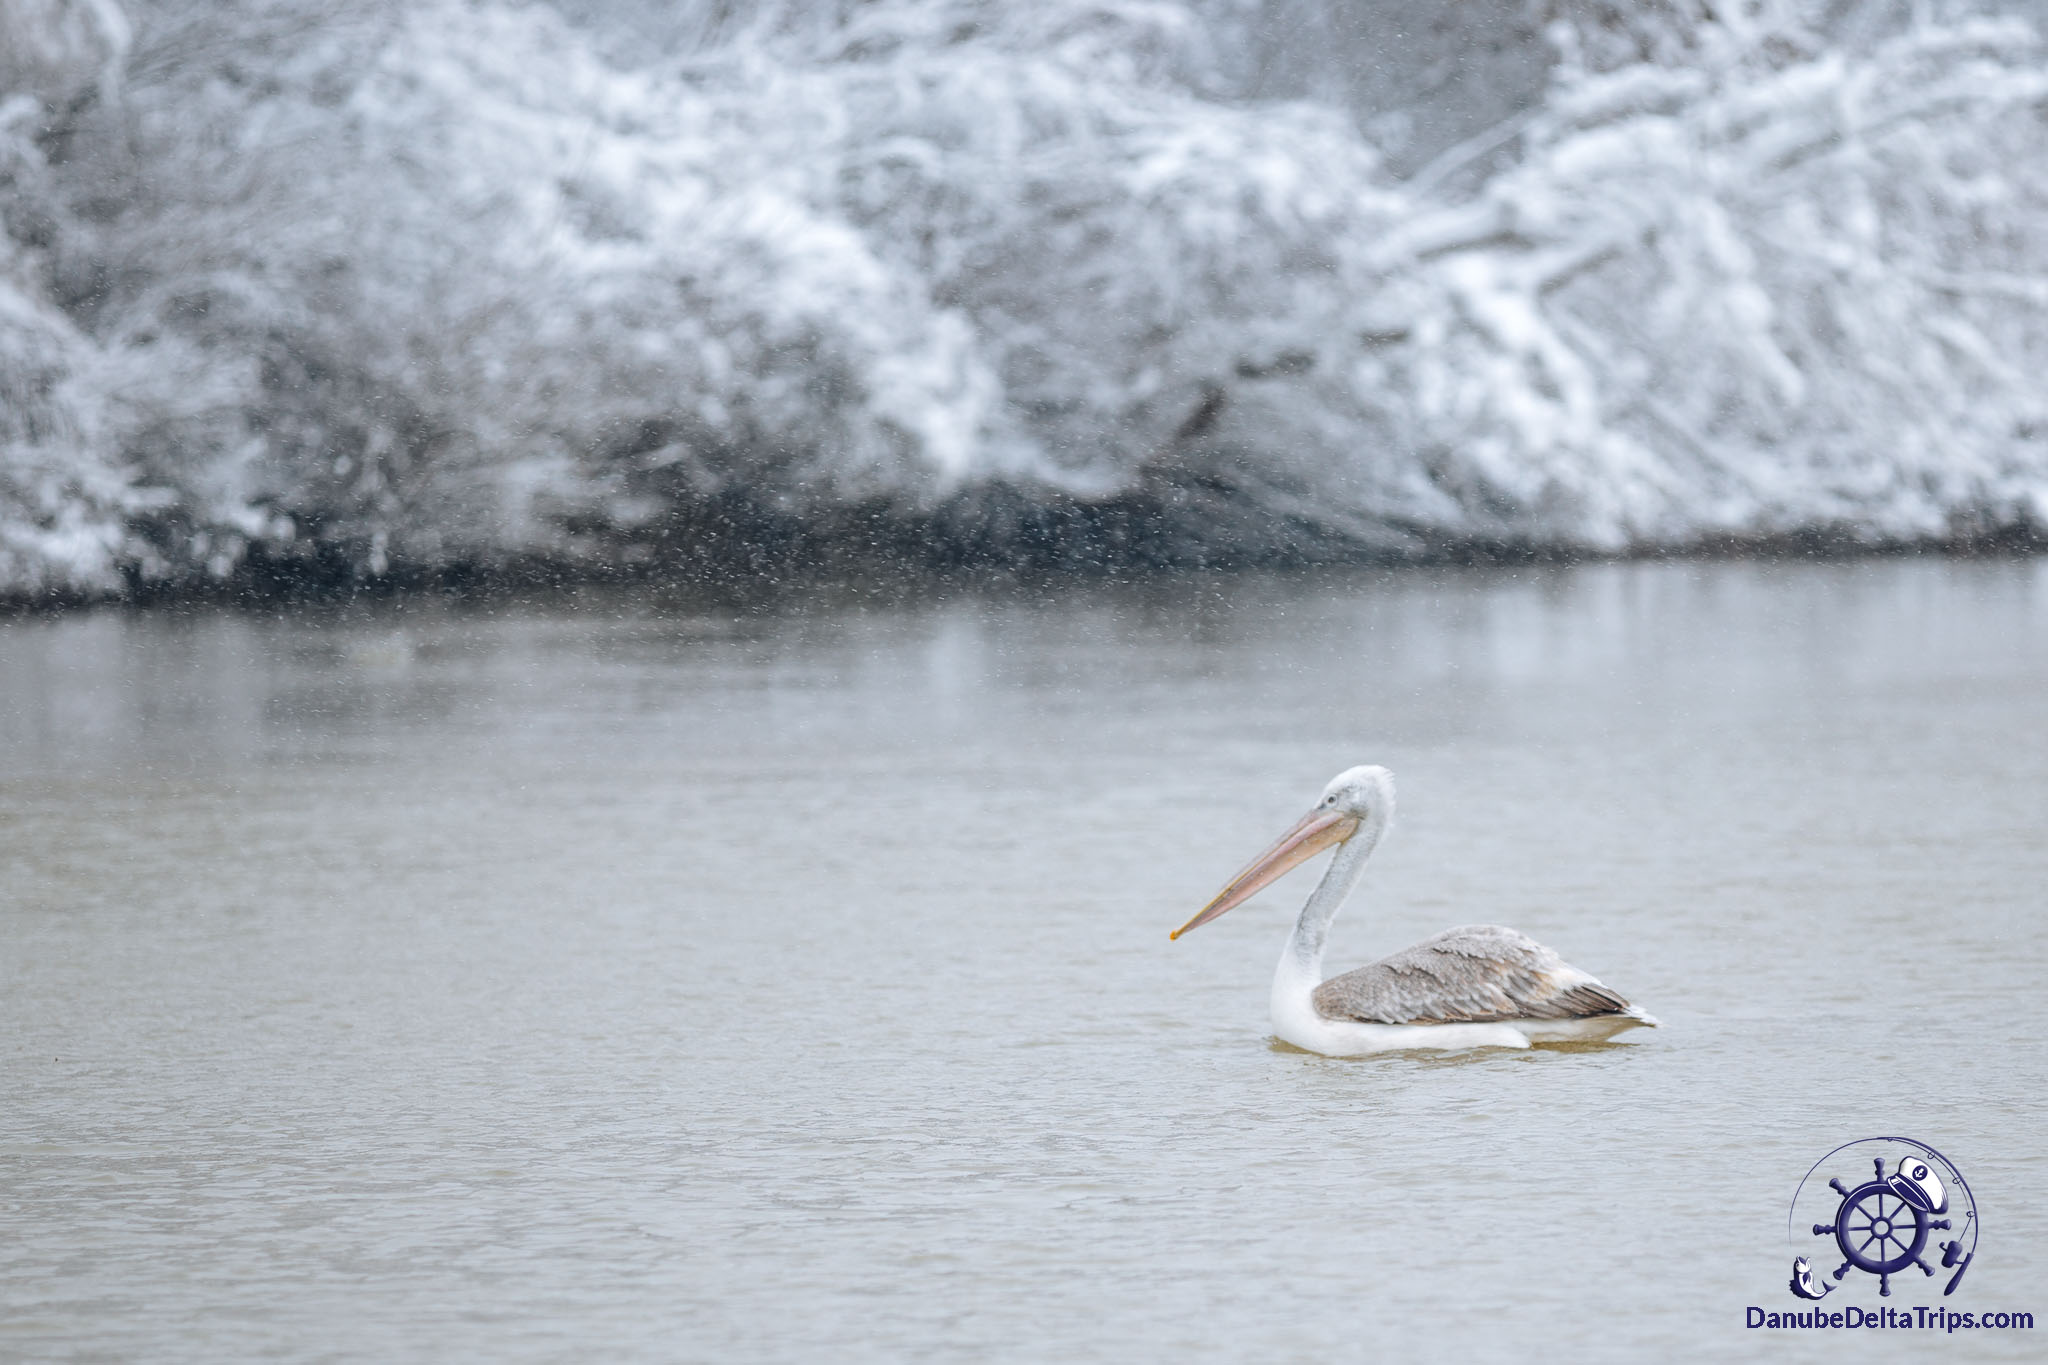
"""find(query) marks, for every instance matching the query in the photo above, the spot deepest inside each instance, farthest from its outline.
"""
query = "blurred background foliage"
(301, 292)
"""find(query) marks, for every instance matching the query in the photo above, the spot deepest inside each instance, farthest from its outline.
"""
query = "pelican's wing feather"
(1478, 974)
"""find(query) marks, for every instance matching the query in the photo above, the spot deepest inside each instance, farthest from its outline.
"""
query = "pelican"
(1479, 986)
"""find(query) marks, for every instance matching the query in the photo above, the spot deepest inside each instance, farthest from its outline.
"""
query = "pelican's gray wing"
(1478, 974)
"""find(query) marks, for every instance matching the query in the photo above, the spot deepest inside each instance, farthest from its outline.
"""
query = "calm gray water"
(608, 981)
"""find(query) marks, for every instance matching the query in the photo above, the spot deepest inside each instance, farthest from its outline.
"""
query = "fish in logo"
(1802, 1280)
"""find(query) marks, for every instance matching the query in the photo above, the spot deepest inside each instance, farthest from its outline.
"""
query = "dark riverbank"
(736, 550)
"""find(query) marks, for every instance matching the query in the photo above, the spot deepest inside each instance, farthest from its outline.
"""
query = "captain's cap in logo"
(1917, 1184)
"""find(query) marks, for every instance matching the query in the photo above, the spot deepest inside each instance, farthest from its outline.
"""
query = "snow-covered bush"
(1755, 296)
(63, 499)
(382, 287)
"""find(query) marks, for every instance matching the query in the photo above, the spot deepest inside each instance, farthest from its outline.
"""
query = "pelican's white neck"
(1301, 962)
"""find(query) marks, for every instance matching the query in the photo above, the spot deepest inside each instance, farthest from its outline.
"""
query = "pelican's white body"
(1297, 1021)
(1367, 793)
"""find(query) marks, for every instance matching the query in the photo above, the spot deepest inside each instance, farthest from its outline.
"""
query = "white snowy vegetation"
(361, 290)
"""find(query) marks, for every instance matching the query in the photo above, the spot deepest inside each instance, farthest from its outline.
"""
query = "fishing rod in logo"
(1882, 1225)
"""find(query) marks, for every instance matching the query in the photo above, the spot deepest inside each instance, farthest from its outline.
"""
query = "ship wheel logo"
(1882, 1226)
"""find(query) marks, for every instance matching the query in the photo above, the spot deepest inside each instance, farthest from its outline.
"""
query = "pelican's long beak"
(1316, 831)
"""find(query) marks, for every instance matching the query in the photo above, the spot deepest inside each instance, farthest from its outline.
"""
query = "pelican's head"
(1357, 798)
(1366, 792)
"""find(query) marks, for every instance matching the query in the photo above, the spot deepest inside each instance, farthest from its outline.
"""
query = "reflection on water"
(600, 979)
